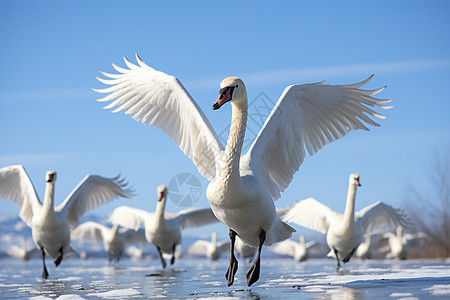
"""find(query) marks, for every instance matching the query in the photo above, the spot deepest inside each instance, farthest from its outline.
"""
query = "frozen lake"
(195, 278)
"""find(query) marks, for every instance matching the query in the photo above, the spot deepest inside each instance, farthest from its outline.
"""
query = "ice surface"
(198, 278)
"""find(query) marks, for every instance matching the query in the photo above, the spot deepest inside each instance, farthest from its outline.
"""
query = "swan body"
(162, 229)
(213, 249)
(364, 250)
(297, 250)
(114, 239)
(50, 225)
(344, 232)
(305, 118)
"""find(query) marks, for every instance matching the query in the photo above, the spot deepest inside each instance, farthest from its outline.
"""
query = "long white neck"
(230, 168)
(214, 239)
(160, 207)
(49, 199)
(349, 214)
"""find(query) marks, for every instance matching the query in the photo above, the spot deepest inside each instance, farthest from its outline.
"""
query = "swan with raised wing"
(162, 229)
(114, 239)
(299, 251)
(344, 232)
(242, 189)
(50, 225)
(211, 249)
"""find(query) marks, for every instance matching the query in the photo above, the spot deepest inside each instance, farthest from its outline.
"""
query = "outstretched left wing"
(379, 218)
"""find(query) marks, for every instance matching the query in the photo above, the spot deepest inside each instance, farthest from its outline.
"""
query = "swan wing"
(158, 99)
(199, 247)
(90, 231)
(379, 218)
(92, 192)
(130, 217)
(311, 214)
(286, 247)
(223, 246)
(195, 217)
(135, 236)
(16, 186)
(307, 116)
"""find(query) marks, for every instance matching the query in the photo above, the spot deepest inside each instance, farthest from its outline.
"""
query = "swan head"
(162, 192)
(354, 179)
(232, 89)
(50, 176)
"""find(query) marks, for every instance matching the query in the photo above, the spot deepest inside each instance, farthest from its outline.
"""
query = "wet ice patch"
(117, 294)
(439, 290)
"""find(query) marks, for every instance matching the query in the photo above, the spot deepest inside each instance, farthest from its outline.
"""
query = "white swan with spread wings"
(50, 225)
(305, 118)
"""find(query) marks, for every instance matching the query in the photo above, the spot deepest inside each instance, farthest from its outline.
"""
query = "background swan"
(305, 118)
(398, 243)
(23, 251)
(244, 250)
(162, 229)
(299, 251)
(114, 239)
(49, 224)
(364, 250)
(212, 249)
(344, 232)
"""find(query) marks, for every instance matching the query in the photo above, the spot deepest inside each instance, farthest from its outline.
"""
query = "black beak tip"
(216, 106)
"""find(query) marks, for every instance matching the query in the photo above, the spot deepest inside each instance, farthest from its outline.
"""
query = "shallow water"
(195, 278)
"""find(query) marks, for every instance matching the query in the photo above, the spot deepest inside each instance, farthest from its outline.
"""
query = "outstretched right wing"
(16, 186)
(158, 99)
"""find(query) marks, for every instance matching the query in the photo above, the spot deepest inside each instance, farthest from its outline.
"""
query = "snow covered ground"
(195, 278)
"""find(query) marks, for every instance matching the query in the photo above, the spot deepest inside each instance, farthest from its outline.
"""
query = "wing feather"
(160, 100)
(92, 192)
(90, 231)
(312, 214)
(130, 217)
(195, 217)
(379, 218)
(16, 186)
(306, 118)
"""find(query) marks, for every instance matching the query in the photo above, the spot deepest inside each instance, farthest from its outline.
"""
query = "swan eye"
(237, 85)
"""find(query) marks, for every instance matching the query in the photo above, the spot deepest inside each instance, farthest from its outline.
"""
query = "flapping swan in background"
(297, 250)
(242, 188)
(213, 250)
(114, 239)
(345, 231)
(50, 225)
(162, 229)
(23, 252)
(364, 250)
(399, 242)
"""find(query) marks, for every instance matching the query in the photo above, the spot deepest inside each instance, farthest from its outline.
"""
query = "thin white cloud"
(305, 74)
(32, 159)
(47, 95)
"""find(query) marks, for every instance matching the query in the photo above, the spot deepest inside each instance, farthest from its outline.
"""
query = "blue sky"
(50, 51)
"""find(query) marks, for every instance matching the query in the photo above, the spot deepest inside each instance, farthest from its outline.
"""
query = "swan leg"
(337, 258)
(60, 257)
(172, 260)
(44, 272)
(233, 261)
(345, 260)
(253, 274)
(163, 262)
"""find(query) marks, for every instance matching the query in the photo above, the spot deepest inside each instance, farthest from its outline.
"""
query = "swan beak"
(160, 196)
(225, 95)
(357, 182)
